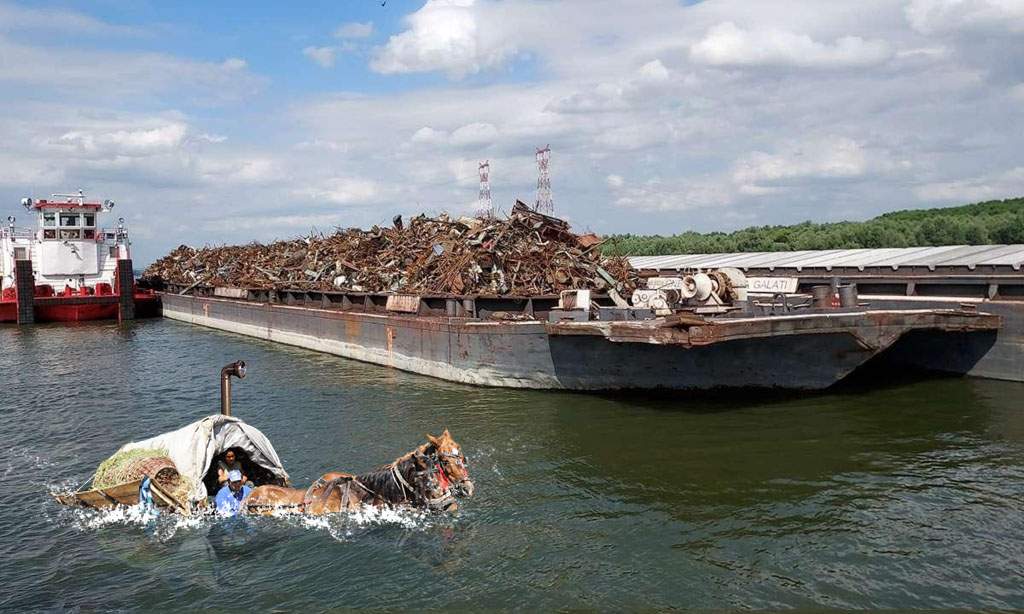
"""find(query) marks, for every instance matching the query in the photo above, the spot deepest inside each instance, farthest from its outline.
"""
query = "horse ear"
(432, 439)
(446, 435)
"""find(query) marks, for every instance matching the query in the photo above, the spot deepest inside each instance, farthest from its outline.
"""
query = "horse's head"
(431, 484)
(453, 462)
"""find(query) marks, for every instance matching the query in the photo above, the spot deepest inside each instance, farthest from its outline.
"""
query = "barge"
(988, 277)
(547, 343)
(69, 268)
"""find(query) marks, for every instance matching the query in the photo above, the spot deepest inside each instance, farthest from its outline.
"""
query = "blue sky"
(230, 122)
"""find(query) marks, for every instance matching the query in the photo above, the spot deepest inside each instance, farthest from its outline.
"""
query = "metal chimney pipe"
(237, 369)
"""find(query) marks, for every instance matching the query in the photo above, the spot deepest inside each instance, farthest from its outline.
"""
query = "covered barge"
(989, 278)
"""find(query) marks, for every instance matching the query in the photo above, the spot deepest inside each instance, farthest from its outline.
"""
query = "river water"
(880, 495)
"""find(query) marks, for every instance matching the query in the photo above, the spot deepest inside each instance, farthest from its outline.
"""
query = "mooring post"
(126, 290)
(25, 291)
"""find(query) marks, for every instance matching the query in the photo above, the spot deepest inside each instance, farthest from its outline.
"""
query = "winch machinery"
(714, 288)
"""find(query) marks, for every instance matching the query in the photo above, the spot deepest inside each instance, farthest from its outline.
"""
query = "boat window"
(69, 219)
(113, 251)
(20, 253)
(49, 219)
(71, 234)
(89, 233)
(88, 219)
(49, 234)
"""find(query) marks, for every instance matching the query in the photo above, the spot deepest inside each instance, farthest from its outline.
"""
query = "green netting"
(134, 464)
(118, 469)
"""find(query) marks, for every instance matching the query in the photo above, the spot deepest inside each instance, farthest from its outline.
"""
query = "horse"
(452, 463)
(428, 476)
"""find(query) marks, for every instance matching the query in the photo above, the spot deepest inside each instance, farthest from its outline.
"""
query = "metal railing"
(17, 232)
(31, 233)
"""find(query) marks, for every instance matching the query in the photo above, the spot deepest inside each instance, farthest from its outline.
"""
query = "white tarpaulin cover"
(193, 448)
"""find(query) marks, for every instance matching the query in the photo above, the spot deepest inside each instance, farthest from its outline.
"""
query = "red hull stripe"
(53, 311)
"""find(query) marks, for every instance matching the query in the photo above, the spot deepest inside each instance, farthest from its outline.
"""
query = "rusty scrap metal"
(525, 254)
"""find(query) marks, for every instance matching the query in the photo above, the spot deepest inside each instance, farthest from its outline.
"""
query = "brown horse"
(449, 456)
(452, 461)
(425, 477)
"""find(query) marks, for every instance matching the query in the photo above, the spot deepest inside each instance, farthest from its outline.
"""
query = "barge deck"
(809, 351)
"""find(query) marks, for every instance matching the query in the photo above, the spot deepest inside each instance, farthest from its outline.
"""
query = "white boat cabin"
(69, 248)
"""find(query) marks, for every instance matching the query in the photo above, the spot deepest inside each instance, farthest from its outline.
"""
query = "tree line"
(985, 223)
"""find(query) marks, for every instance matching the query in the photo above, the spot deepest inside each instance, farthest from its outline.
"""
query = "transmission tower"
(484, 206)
(545, 203)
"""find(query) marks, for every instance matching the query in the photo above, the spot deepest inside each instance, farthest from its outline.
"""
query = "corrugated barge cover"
(966, 256)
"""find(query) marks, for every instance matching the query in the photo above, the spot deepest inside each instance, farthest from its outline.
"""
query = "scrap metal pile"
(525, 254)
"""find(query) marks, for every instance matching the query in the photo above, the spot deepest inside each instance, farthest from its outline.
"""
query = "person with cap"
(229, 498)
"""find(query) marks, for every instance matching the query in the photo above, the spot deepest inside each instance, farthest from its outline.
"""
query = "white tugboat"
(70, 268)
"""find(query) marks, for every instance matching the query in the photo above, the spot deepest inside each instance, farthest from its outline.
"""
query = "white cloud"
(634, 136)
(941, 16)
(1017, 92)
(274, 223)
(444, 35)
(354, 29)
(342, 191)
(477, 133)
(14, 18)
(729, 45)
(829, 158)
(614, 181)
(464, 171)
(426, 134)
(234, 64)
(323, 56)
(121, 142)
(23, 174)
(321, 145)
(93, 74)
(658, 195)
(1003, 184)
(654, 71)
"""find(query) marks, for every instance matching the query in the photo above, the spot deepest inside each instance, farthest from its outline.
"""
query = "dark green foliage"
(996, 221)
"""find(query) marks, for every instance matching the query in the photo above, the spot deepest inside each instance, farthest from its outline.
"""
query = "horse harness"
(407, 489)
(403, 485)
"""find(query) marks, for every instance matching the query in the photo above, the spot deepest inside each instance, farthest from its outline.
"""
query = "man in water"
(229, 498)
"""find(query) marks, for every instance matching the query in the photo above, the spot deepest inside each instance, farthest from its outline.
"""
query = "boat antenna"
(236, 369)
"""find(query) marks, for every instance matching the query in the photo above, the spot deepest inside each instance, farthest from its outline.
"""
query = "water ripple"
(898, 498)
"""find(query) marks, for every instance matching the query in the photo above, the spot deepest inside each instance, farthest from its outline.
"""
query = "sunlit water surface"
(890, 496)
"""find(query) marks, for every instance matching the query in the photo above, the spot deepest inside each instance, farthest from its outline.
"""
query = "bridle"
(434, 467)
(456, 459)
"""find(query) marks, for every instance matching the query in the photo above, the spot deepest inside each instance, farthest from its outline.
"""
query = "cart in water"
(178, 470)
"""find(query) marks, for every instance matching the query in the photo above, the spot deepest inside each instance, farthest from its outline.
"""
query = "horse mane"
(382, 483)
(418, 450)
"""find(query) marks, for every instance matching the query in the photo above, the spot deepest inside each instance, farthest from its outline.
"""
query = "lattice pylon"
(485, 208)
(545, 202)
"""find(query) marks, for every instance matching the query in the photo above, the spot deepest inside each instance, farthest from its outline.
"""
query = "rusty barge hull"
(804, 352)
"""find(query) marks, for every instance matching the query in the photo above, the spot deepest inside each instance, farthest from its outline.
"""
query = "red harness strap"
(443, 480)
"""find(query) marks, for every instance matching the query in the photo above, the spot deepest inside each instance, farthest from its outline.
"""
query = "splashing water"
(164, 525)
